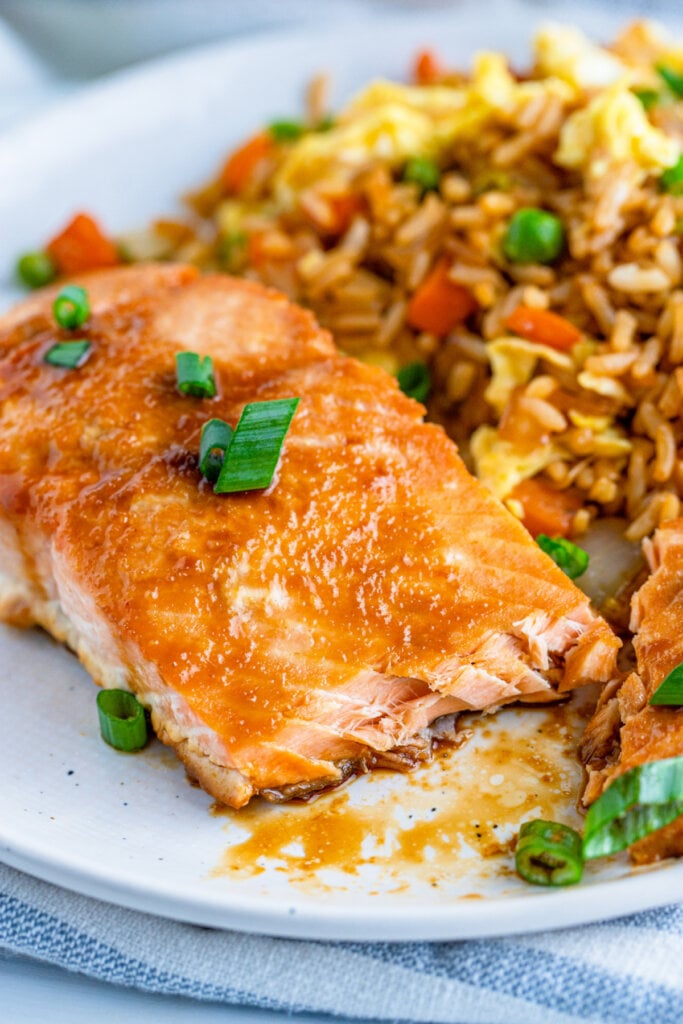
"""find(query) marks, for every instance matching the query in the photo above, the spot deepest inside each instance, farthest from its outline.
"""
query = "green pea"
(36, 269)
(423, 172)
(533, 236)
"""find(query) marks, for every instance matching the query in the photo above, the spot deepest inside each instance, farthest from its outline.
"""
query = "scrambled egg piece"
(613, 128)
(513, 362)
(568, 54)
(608, 387)
(388, 122)
(392, 122)
(609, 441)
(500, 466)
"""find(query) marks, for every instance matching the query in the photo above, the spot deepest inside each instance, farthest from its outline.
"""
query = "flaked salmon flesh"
(285, 638)
(626, 730)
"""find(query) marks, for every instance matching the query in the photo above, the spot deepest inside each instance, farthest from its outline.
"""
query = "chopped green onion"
(215, 440)
(533, 236)
(423, 172)
(36, 269)
(672, 178)
(286, 131)
(548, 853)
(195, 375)
(672, 78)
(669, 693)
(570, 558)
(123, 722)
(648, 97)
(71, 308)
(414, 381)
(253, 453)
(642, 800)
(68, 354)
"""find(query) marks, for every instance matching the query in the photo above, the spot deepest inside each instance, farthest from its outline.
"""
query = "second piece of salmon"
(626, 730)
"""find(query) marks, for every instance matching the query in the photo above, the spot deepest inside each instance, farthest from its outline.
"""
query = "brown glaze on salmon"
(282, 639)
(625, 731)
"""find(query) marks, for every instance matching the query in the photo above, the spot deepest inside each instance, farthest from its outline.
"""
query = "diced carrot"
(546, 510)
(240, 165)
(440, 304)
(544, 327)
(82, 245)
(427, 68)
(344, 208)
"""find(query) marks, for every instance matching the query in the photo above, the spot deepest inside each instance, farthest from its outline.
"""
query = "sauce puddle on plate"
(452, 819)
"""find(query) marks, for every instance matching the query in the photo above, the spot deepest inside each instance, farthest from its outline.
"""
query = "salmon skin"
(625, 730)
(282, 639)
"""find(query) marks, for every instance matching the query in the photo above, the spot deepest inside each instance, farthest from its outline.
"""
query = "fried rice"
(566, 421)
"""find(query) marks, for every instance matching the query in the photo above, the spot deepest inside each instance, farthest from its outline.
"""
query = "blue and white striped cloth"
(628, 971)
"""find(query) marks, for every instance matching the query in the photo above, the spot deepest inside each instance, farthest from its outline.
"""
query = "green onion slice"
(648, 97)
(670, 690)
(123, 723)
(533, 236)
(71, 308)
(195, 375)
(672, 78)
(672, 178)
(572, 559)
(253, 453)
(548, 853)
(286, 131)
(642, 800)
(36, 269)
(215, 440)
(69, 354)
(414, 381)
(424, 172)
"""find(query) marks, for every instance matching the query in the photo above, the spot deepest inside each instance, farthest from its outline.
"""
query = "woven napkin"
(627, 971)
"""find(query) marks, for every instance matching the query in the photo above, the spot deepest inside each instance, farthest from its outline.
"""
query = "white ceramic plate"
(389, 857)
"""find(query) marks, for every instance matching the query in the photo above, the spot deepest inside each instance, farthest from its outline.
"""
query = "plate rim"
(455, 918)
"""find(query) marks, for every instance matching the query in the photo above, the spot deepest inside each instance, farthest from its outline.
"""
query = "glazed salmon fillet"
(287, 638)
(626, 731)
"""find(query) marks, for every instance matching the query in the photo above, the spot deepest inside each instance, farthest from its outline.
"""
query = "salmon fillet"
(286, 638)
(625, 731)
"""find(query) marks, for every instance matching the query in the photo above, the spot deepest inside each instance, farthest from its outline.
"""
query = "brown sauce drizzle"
(458, 814)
